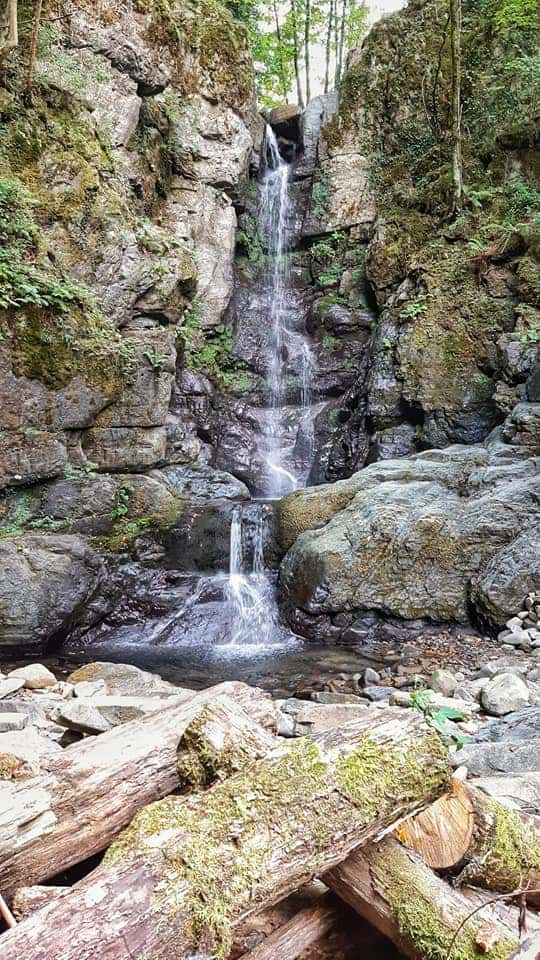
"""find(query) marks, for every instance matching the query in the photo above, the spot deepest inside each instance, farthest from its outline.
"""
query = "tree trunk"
(9, 29)
(85, 795)
(307, 31)
(455, 58)
(189, 869)
(494, 847)
(425, 917)
(339, 71)
(280, 48)
(38, 6)
(296, 55)
(328, 49)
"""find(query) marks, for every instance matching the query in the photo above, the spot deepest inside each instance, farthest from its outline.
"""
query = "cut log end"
(442, 833)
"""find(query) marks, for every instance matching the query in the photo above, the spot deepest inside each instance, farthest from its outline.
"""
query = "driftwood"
(190, 868)
(87, 793)
(424, 916)
(492, 846)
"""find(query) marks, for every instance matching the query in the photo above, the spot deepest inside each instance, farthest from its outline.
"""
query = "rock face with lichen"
(453, 358)
(118, 180)
(442, 536)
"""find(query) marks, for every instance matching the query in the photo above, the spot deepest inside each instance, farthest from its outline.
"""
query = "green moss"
(305, 510)
(201, 763)
(216, 860)
(12, 767)
(509, 853)
(371, 777)
(210, 351)
(126, 530)
(424, 924)
(209, 46)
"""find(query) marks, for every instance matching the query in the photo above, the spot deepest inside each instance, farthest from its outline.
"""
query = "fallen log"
(492, 846)
(27, 900)
(86, 794)
(425, 917)
(294, 937)
(190, 868)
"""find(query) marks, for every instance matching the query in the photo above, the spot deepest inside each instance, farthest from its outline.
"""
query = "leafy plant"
(121, 501)
(413, 310)
(156, 360)
(319, 196)
(439, 717)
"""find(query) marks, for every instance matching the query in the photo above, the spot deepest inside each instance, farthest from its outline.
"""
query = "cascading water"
(289, 346)
(250, 595)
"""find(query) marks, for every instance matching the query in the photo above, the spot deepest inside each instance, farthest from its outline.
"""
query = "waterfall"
(253, 613)
(289, 346)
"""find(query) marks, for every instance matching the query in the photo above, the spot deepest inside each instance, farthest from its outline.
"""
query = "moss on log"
(189, 869)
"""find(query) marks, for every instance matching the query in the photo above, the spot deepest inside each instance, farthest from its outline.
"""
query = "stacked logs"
(207, 820)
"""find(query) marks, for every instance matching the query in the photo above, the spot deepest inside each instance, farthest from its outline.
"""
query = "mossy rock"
(306, 509)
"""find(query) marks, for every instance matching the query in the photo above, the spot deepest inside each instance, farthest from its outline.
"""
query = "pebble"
(10, 685)
(378, 693)
(34, 676)
(442, 681)
(12, 721)
(371, 676)
(504, 694)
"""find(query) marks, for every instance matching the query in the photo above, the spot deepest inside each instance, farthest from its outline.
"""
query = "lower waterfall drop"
(250, 595)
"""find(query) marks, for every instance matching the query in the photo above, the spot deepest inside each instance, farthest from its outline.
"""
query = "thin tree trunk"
(336, 46)
(342, 39)
(38, 6)
(328, 49)
(190, 869)
(296, 55)
(455, 57)
(9, 29)
(307, 30)
(280, 47)
(424, 916)
(87, 793)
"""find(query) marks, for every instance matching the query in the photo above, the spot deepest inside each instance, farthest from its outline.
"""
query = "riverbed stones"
(443, 681)
(125, 679)
(82, 716)
(35, 676)
(505, 694)
(12, 721)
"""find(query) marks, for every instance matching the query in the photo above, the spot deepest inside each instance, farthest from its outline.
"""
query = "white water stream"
(289, 345)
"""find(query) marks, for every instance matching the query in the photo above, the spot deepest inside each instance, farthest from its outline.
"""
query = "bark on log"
(87, 793)
(425, 917)
(27, 900)
(294, 937)
(188, 869)
(494, 847)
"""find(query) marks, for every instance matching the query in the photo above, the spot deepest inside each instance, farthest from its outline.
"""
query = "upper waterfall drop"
(289, 344)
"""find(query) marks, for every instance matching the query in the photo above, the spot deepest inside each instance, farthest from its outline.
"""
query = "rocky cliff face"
(134, 340)
(446, 536)
(118, 183)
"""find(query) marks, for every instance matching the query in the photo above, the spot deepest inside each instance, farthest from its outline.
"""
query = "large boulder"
(421, 538)
(503, 582)
(45, 584)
